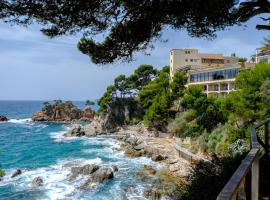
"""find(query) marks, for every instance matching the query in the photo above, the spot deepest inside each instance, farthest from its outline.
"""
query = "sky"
(34, 67)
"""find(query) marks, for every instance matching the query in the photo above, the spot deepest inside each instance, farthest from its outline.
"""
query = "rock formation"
(62, 111)
(3, 118)
(16, 173)
(75, 131)
(37, 182)
(95, 174)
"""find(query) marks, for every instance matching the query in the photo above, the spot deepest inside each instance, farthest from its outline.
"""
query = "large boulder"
(16, 173)
(102, 174)
(75, 131)
(84, 170)
(3, 118)
(95, 173)
(37, 182)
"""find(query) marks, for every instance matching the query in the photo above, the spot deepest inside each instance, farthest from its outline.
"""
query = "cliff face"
(117, 114)
(62, 111)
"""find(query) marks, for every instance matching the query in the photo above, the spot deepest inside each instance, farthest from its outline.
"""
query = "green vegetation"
(126, 27)
(218, 127)
(215, 125)
(2, 172)
(147, 89)
(89, 103)
(50, 108)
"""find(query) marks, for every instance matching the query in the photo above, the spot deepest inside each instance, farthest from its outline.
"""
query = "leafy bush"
(179, 125)
(2, 172)
(206, 109)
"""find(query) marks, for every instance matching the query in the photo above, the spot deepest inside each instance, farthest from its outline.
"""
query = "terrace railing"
(244, 183)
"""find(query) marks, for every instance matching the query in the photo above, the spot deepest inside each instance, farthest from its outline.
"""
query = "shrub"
(179, 126)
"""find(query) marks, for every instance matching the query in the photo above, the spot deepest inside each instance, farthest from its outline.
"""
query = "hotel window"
(210, 76)
(191, 60)
(186, 60)
(216, 87)
(224, 86)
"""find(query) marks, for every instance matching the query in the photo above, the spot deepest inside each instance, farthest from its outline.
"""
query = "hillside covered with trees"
(215, 125)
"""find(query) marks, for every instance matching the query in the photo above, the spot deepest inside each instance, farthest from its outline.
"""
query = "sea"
(39, 149)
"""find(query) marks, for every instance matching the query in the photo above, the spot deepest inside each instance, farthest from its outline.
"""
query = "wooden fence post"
(255, 179)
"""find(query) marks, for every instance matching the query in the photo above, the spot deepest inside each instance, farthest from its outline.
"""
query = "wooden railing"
(244, 183)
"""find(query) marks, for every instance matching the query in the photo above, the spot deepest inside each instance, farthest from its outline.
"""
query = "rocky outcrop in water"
(37, 182)
(62, 111)
(84, 170)
(75, 131)
(95, 174)
(16, 173)
(3, 118)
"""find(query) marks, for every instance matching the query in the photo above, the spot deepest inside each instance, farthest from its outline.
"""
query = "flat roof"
(212, 69)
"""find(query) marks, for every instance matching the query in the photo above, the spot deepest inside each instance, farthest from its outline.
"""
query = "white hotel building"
(215, 72)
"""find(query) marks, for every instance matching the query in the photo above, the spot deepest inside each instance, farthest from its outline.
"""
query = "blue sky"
(33, 67)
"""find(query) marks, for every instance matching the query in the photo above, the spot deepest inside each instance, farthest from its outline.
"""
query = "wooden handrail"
(231, 190)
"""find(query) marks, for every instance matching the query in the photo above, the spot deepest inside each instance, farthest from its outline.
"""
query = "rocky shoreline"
(138, 140)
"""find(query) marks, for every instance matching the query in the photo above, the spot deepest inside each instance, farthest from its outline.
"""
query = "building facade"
(215, 72)
(217, 82)
(262, 55)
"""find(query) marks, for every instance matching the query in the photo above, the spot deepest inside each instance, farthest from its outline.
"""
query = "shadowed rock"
(3, 118)
(75, 131)
(16, 173)
(37, 182)
(84, 170)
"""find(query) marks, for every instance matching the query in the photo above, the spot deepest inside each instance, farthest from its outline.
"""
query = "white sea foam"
(56, 185)
(106, 142)
(21, 121)
(58, 136)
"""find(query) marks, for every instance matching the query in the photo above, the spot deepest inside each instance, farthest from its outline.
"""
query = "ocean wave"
(105, 142)
(56, 185)
(21, 121)
(57, 136)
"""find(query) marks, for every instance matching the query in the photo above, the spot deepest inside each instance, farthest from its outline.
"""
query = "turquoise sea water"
(40, 149)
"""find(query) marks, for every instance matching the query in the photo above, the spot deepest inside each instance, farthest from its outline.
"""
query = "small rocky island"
(3, 118)
(63, 111)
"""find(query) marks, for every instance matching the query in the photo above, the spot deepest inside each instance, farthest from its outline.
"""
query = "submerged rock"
(16, 173)
(3, 118)
(37, 182)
